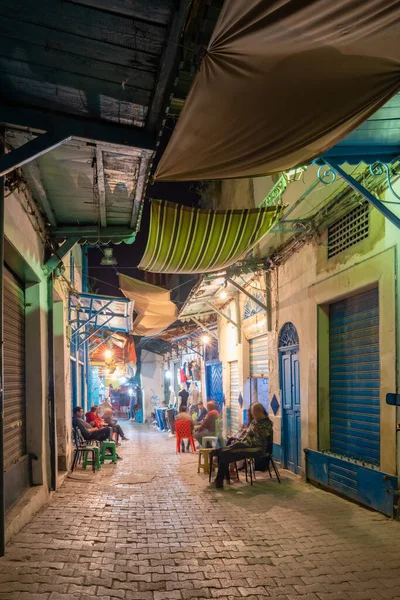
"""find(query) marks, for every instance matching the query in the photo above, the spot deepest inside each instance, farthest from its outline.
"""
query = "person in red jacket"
(93, 418)
(207, 427)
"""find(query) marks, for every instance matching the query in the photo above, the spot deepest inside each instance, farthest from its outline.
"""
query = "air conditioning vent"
(348, 230)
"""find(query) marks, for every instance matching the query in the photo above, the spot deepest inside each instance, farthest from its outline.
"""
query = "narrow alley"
(151, 528)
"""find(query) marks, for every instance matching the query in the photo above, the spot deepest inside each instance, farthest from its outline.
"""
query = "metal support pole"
(2, 490)
(94, 316)
(269, 303)
(58, 256)
(31, 150)
(246, 293)
(200, 324)
(221, 314)
(365, 193)
(51, 391)
(238, 319)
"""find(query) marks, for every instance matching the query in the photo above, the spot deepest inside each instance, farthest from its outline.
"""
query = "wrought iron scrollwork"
(377, 170)
(288, 336)
(326, 174)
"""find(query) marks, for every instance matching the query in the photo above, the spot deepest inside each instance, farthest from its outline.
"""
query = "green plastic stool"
(88, 461)
(112, 456)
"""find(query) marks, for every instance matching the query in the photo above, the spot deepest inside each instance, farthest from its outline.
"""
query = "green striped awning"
(192, 240)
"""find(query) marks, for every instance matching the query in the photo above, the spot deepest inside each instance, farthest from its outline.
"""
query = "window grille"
(348, 230)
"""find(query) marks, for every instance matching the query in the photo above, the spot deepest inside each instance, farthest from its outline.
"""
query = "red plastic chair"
(183, 431)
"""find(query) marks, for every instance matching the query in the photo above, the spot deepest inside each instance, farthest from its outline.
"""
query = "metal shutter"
(355, 377)
(14, 370)
(234, 395)
(259, 356)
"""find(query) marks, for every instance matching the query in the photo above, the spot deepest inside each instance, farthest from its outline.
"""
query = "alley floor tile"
(151, 528)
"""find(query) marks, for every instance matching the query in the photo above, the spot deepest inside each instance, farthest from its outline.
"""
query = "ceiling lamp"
(108, 258)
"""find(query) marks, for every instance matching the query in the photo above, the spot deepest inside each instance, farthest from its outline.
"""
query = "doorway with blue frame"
(289, 362)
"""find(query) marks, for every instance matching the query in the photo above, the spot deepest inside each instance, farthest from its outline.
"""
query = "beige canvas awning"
(281, 83)
(152, 303)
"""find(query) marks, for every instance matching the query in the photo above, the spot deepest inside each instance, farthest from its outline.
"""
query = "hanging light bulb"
(223, 295)
(108, 258)
(108, 354)
(205, 339)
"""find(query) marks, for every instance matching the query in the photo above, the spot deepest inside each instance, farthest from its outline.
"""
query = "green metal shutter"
(355, 377)
(259, 356)
(234, 395)
(14, 370)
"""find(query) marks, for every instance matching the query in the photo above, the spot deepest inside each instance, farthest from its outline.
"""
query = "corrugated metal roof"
(101, 71)
(378, 138)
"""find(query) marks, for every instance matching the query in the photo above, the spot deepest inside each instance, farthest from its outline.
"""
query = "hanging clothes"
(183, 375)
(196, 372)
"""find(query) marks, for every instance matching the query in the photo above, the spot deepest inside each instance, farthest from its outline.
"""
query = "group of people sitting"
(201, 425)
(254, 440)
(96, 427)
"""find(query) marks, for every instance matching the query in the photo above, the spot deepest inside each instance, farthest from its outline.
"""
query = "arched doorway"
(289, 361)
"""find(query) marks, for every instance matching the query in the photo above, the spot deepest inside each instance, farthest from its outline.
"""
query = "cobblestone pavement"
(150, 528)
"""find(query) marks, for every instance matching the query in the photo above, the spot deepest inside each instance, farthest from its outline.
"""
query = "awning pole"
(269, 303)
(51, 393)
(200, 324)
(221, 314)
(2, 490)
(238, 319)
(246, 293)
(365, 193)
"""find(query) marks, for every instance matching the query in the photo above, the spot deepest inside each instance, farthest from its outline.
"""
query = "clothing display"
(183, 398)
(194, 397)
(183, 377)
(196, 372)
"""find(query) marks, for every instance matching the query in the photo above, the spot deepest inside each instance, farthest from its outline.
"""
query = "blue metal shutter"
(355, 377)
(234, 396)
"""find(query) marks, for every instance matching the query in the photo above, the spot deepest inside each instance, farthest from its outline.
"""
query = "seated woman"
(111, 422)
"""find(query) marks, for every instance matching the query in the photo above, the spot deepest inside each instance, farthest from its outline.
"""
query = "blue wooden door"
(291, 426)
(214, 383)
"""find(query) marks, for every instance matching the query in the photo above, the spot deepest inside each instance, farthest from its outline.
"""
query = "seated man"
(201, 412)
(184, 416)
(253, 442)
(111, 422)
(93, 418)
(88, 432)
(207, 426)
